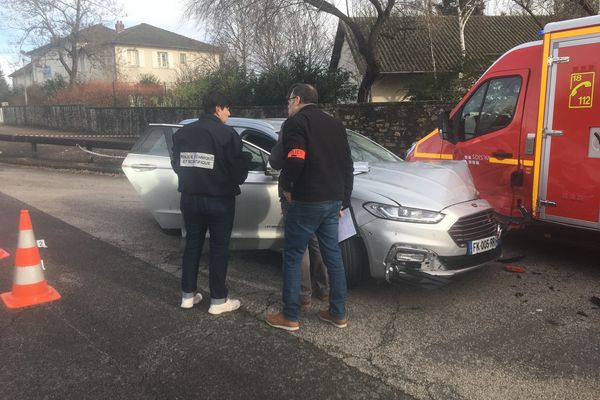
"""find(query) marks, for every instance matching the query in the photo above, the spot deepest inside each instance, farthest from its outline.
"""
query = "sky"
(154, 12)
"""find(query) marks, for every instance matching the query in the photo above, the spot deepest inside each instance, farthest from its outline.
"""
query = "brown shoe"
(305, 304)
(327, 317)
(280, 321)
(324, 297)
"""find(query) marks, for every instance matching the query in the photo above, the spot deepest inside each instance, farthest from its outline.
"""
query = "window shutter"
(170, 60)
(141, 57)
(155, 59)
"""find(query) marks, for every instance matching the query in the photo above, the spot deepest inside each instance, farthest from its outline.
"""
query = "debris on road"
(595, 300)
(514, 268)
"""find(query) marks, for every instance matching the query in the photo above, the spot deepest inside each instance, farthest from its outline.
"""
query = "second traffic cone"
(29, 285)
(3, 254)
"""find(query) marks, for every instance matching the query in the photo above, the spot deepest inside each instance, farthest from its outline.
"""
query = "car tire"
(356, 262)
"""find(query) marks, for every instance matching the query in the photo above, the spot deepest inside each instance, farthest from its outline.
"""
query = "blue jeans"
(199, 214)
(312, 265)
(303, 220)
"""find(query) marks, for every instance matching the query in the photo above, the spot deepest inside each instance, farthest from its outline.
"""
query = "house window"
(133, 57)
(182, 58)
(163, 59)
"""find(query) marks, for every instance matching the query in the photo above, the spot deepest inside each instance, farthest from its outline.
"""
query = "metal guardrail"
(73, 140)
(69, 141)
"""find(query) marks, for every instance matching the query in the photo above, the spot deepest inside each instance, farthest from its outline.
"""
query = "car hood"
(429, 185)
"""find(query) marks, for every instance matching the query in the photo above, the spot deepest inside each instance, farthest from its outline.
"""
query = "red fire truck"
(529, 129)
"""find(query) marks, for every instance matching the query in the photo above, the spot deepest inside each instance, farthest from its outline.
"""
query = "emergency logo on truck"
(197, 160)
(582, 90)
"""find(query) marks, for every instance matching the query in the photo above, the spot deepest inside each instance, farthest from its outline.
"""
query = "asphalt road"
(490, 334)
(118, 333)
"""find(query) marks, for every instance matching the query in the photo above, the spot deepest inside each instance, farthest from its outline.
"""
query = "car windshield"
(366, 150)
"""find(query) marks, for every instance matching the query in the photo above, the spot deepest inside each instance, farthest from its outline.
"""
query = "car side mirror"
(445, 127)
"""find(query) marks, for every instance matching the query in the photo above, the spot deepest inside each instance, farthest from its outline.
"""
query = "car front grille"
(472, 227)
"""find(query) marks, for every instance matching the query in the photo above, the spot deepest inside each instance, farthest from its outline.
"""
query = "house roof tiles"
(143, 35)
(150, 36)
(405, 44)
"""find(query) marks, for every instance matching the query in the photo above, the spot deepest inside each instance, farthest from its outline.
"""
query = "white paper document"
(346, 226)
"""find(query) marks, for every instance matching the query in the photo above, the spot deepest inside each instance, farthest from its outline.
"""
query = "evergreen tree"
(4, 89)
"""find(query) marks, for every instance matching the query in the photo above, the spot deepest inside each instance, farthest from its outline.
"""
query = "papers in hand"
(346, 226)
(360, 167)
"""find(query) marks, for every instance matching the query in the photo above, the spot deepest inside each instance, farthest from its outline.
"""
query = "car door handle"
(501, 154)
(143, 167)
(597, 137)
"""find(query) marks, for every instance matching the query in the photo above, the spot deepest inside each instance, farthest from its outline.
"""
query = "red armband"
(297, 153)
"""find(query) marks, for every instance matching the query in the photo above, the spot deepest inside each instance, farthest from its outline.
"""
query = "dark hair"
(213, 99)
(306, 92)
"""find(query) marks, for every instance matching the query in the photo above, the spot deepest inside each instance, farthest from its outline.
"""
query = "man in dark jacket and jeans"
(208, 160)
(316, 179)
(312, 262)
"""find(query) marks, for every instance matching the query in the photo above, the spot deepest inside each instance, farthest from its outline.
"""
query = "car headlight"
(405, 214)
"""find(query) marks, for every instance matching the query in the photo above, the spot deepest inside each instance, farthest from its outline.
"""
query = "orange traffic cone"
(29, 286)
(3, 254)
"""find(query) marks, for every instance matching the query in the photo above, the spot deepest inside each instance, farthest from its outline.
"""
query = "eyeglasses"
(291, 98)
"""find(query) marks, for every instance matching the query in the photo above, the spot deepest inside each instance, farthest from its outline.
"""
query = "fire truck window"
(499, 105)
(470, 113)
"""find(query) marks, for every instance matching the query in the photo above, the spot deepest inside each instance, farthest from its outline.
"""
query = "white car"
(420, 221)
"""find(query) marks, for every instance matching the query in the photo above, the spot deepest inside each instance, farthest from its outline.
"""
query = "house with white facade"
(121, 55)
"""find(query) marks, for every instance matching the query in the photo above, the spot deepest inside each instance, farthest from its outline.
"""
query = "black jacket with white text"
(207, 158)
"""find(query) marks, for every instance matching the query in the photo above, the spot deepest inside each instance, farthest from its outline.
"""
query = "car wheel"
(354, 255)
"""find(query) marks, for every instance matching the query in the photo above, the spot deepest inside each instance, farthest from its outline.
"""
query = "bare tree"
(527, 6)
(464, 12)
(591, 7)
(366, 40)
(58, 23)
(271, 39)
(262, 34)
(558, 9)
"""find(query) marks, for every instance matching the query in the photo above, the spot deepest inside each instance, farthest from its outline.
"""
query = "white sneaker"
(229, 305)
(189, 302)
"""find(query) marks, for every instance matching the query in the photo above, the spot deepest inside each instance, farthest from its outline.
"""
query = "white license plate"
(482, 245)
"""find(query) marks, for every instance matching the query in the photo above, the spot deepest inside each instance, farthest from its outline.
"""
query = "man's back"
(326, 171)
(207, 158)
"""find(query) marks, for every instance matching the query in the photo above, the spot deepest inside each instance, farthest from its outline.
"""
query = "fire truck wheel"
(356, 262)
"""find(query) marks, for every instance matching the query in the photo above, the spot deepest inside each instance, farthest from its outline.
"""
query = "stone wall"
(394, 125)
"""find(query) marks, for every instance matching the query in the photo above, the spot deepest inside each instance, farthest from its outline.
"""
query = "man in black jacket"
(312, 262)
(208, 160)
(316, 179)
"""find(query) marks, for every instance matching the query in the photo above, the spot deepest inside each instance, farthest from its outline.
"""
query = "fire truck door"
(489, 127)
(570, 165)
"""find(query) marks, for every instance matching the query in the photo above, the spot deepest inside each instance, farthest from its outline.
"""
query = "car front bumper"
(409, 251)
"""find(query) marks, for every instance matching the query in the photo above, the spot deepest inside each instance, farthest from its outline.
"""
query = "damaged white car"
(420, 221)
